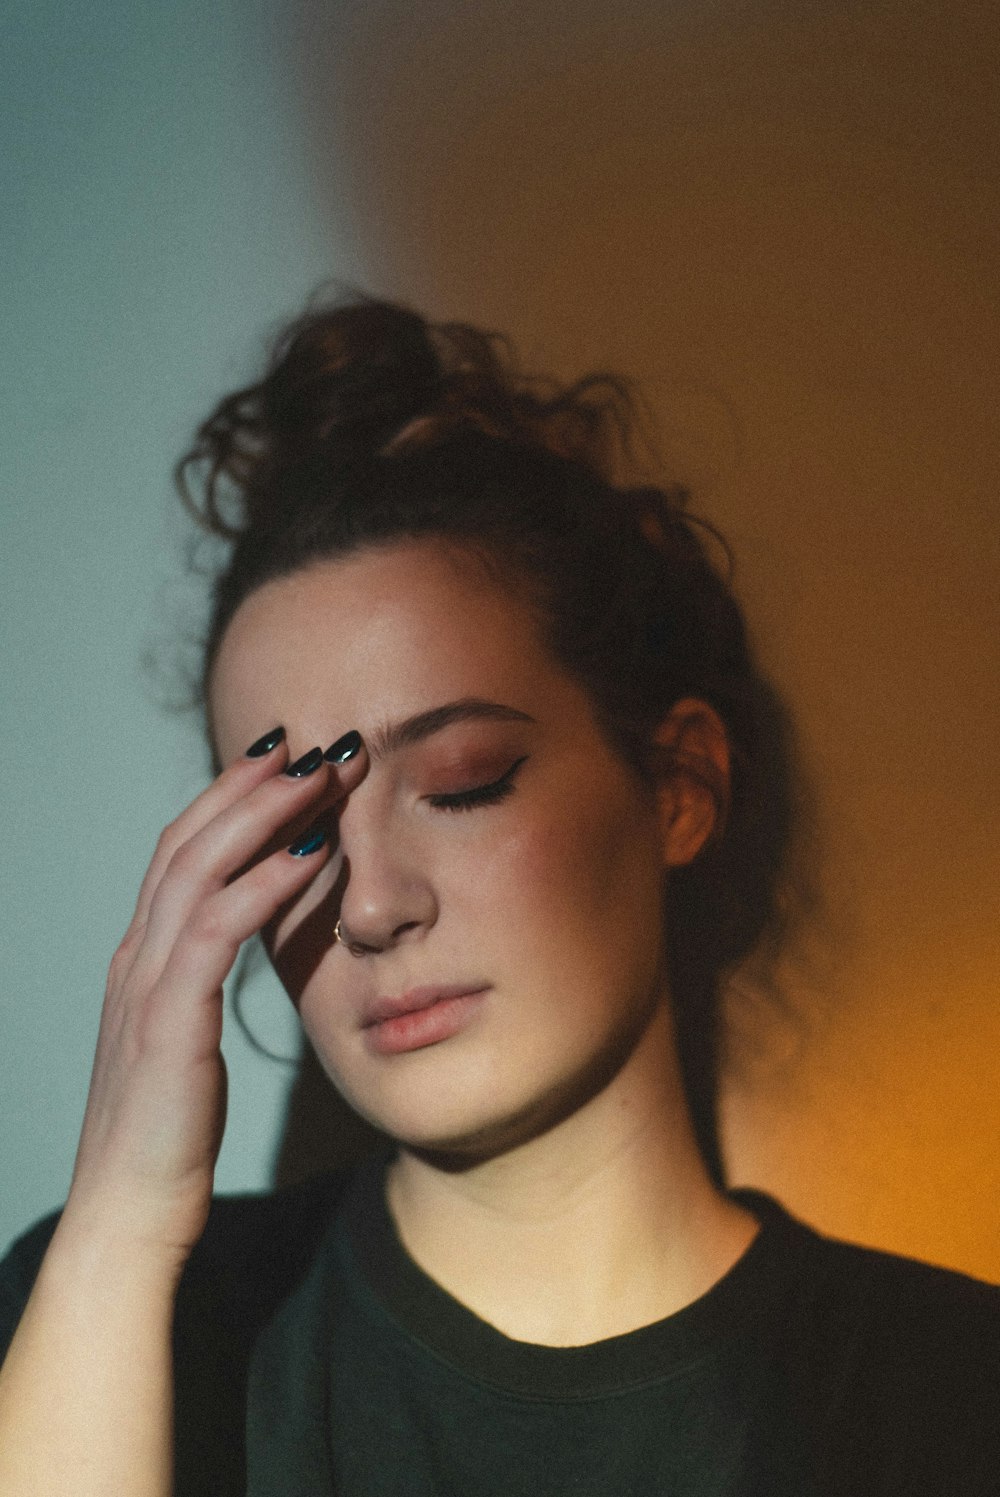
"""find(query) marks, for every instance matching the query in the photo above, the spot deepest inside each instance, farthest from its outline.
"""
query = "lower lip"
(425, 1026)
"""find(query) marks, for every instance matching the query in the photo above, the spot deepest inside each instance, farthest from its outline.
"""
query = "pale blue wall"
(156, 220)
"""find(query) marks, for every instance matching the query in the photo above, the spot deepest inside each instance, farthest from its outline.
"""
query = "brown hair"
(371, 425)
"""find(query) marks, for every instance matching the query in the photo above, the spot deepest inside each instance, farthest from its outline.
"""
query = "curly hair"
(371, 425)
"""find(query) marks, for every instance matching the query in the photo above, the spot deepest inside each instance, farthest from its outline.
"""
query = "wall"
(783, 220)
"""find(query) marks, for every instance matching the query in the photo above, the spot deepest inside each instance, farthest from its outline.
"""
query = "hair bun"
(354, 374)
(351, 384)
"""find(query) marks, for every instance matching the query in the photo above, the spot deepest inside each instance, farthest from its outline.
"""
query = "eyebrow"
(393, 736)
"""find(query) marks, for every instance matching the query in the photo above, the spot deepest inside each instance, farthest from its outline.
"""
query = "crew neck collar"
(753, 1290)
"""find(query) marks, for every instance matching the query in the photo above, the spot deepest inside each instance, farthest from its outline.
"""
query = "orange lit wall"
(783, 219)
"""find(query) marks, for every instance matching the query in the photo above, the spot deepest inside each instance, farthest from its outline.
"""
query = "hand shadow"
(321, 1131)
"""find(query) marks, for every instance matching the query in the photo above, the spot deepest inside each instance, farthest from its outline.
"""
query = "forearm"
(86, 1390)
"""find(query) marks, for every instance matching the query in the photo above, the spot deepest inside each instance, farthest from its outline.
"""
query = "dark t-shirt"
(314, 1357)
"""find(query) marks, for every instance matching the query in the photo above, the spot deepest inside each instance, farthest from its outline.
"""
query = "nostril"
(359, 948)
(351, 943)
(402, 929)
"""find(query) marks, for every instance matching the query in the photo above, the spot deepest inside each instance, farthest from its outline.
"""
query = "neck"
(605, 1223)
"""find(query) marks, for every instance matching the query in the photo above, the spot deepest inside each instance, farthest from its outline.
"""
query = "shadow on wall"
(321, 1132)
(781, 219)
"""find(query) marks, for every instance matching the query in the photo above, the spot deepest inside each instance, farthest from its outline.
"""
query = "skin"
(547, 1174)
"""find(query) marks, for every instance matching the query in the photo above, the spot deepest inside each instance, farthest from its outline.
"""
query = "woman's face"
(496, 848)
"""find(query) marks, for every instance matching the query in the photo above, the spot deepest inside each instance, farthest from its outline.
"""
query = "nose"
(388, 896)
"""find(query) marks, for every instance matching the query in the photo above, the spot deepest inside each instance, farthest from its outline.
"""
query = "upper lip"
(416, 998)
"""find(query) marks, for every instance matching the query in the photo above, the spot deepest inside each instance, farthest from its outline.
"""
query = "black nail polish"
(310, 841)
(308, 764)
(265, 744)
(345, 748)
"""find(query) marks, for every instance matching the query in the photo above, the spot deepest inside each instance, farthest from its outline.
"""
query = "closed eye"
(479, 795)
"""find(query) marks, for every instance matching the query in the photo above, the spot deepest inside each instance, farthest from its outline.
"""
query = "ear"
(692, 762)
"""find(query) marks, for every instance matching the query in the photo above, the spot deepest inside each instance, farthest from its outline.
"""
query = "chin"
(455, 1137)
(462, 1149)
(451, 1139)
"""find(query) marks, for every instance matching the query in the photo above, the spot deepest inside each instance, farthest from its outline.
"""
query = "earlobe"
(692, 751)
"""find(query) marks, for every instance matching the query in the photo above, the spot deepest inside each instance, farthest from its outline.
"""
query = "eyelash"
(479, 795)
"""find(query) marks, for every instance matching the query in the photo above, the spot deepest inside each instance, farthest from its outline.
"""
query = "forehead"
(372, 637)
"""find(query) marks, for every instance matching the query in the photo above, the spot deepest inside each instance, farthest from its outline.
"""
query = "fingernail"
(265, 744)
(345, 748)
(310, 841)
(308, 764)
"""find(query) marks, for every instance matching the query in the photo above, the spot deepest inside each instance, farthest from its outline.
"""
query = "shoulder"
(254, 1250)
(915, 1309)
(18, 1271)
(893, 1362)
(232, 1217)
(843, 1276)
(257, 1244)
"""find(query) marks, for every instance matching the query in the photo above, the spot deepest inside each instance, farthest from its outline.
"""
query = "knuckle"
(123, 957)
(166, 842)
(132, 941)
(184, 859)
(207, 925)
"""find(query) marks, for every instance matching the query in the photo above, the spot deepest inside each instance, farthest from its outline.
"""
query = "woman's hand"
(86, 1389)
(156, 1107)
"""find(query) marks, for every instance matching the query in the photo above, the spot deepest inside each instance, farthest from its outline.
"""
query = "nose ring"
(338, 935)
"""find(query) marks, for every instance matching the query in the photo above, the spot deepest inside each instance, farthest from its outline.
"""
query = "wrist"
(111, 1264)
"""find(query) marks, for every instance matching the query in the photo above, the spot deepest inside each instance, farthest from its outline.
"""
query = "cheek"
(570, 871)
(614, 874)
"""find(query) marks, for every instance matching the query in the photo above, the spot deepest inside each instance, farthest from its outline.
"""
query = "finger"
(215, 853)
(232, 842)
(242, 776)
(349, 763)
(346, 766)
(183, 1001)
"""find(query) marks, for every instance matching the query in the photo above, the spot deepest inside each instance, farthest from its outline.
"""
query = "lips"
(420, 1017)
(415, 1000)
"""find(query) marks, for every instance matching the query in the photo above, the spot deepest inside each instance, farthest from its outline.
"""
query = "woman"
(552, 820)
